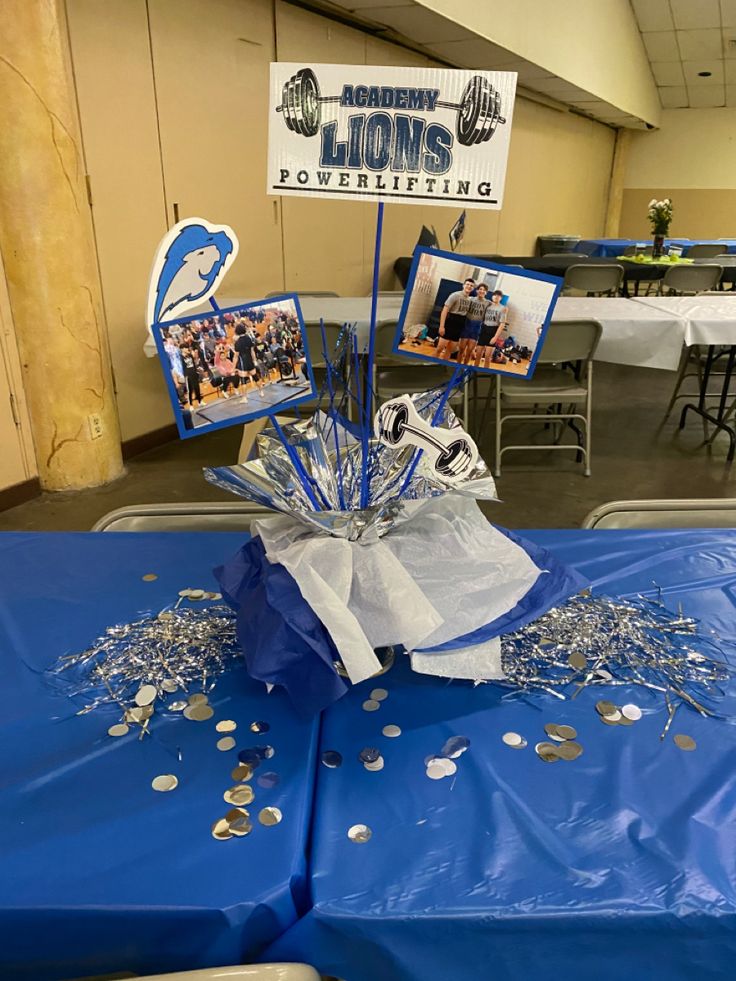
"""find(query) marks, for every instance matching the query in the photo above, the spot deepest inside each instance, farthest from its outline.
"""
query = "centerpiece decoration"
(659, 214)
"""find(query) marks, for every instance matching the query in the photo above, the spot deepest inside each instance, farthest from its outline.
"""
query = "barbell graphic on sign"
(452, 452)
(479, 109)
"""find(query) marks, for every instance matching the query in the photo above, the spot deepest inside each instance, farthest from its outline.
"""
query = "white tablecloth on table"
(633, 334)
(709, 318)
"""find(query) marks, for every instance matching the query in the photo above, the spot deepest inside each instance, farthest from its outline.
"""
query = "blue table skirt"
(612, 247)
(619, 864)
(99, 872)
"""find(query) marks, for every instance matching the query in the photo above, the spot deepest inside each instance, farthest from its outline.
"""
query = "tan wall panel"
(17, 460)
(112, 68)
(211, 66)
(698, 213)
(558, 177)
(324, 245)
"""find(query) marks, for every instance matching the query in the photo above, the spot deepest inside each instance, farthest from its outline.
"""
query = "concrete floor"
(633, 457)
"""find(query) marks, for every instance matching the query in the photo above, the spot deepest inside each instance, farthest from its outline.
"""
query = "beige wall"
(691, 159)
(161, 126)
(593, 44)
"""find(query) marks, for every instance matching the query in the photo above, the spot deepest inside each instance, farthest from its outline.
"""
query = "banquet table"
(710, 322)
(642, 335)
(100, 873)
(618, 864)
(615, 246)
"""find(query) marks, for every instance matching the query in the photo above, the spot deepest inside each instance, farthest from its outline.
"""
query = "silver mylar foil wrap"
(332, 458)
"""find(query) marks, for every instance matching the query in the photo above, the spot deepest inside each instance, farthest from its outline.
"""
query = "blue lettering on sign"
(408, 143)
(377, 146)
(388, 97)
(377, 140)
(437, 159)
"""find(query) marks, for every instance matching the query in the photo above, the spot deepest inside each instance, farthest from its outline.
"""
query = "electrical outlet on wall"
(95, 425)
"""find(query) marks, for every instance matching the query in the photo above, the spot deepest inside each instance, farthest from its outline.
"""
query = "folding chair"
(194, 516)
(598, 280)
(704, 250)
(660, 513)
(690, 280)
(567, 341)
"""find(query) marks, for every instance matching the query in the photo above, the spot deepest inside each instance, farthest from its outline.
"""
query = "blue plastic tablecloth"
(619, 864)
(99, 873)
(612, 247)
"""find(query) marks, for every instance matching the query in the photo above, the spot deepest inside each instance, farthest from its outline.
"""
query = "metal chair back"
(595, 279)
(660, 513)
(634, 250)
(314, 340)
(570, 340)
(704, 250)
(194, 516)
(302, 293)
(692, 279)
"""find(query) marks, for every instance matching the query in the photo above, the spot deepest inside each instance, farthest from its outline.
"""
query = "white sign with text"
(409, 135)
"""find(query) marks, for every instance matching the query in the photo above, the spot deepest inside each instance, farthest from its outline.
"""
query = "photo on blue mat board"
(226, 367)
(463, 311)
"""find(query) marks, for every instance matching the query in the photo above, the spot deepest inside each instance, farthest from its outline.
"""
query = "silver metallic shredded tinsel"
(597, 640)
(182, 649)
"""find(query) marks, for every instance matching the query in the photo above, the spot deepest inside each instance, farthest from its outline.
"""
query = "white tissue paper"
(440, 575)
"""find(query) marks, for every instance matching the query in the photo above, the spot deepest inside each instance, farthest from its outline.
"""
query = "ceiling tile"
(653, 15)
(707, 96)
(668, 73)
(473, 53)
(728, 13)
(673, 97)
(700, 44)
(661, 45)
(689, 14)
(731, 96)
(692, 69)
(558, 88)
(421, 25)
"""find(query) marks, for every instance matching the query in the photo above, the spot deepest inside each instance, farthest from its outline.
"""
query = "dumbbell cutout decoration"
(479, 109)
(451, 452)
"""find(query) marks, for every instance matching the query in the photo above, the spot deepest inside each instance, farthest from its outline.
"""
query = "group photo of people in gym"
(464, 312)
(235, 363)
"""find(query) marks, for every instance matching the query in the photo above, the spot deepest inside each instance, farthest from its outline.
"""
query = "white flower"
(652, 203)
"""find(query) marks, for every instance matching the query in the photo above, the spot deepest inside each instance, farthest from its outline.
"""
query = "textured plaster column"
(48, 248)
(616, 186)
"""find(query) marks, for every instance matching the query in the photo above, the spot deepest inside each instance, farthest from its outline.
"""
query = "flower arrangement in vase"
(660, 218)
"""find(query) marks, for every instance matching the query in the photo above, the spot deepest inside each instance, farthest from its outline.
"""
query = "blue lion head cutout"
(192, 265)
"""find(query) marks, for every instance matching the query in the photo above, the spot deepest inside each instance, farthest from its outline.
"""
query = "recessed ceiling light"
(705, 74)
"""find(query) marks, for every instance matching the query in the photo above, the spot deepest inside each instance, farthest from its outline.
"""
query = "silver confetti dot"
(371, 705)
(269, 816)
(512, 739)
(121, 729)
(332, 759)
(685, 742)
(379, 694)
(226, 725)
(632, 712)
(259, 727)
(178, 706)
(145, 695)
(226, 743)
(359, 833)
(391, 731)
(165, 782)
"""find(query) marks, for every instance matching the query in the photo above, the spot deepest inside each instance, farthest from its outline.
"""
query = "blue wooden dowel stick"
(368, 405)
(297, 464)
(213, 304)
